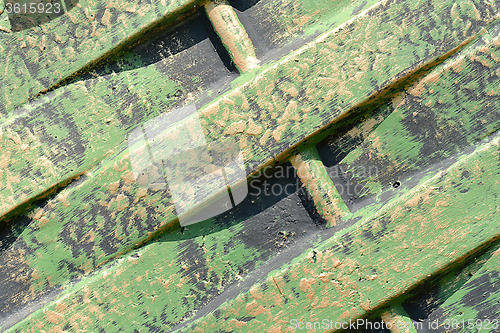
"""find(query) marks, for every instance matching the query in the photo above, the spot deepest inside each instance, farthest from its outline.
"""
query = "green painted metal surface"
(406, 89)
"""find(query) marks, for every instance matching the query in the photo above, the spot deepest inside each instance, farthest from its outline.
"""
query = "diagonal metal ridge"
(45, 69)
(22, 207)
(388, 90)
(265, 131)
(141, 36)
(358, 244)
(376, 99)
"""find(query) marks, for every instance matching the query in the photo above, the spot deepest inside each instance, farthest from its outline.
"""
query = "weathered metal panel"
(408, 88)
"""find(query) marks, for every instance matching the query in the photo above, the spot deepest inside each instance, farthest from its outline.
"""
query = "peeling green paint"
(103, 216)
(44, 56)
(354, 271)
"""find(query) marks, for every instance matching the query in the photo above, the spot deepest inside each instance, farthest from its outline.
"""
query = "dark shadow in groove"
(370, 107)
(243, 5)
(171, 42)
(279, 183)
(14, 222)
(308, 203)
(11, 229)
(430, 295)
(166, 37)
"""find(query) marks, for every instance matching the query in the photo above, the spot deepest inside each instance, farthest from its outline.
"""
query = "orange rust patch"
(253, 129)
(5, 160)
(237, 323)
(275, 329)
(54, 317)
(326, 277)
(254, 291)
(116, 167)
(366, 305)
(278, 133)
(60, 307)
(253, 304)
(238, 127)
(63, 198)
(128, 177)
(305, 284)
(142, 193)
(122, 202)
(259, 310)
(114, 186)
